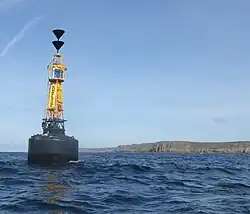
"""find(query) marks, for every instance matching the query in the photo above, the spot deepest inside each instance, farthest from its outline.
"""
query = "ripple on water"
(128, 183)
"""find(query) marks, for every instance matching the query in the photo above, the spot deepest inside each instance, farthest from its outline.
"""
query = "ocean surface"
(128, 183)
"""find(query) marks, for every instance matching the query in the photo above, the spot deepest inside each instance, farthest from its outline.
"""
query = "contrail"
(19, 36)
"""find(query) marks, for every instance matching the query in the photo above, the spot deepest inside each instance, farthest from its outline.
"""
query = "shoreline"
(179, 147)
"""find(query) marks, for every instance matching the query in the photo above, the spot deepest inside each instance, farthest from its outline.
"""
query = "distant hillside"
(142, 147)
(97, 149)
(179, 147)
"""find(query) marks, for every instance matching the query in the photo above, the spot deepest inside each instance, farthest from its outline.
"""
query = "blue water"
(127, 183)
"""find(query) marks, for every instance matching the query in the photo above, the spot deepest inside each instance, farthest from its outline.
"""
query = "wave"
(127, 183)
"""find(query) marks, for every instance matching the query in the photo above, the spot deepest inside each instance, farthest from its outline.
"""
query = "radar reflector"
(58, 33)
(58, 44)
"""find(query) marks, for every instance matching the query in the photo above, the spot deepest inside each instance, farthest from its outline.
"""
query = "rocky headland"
(201, 147)
(179, 147)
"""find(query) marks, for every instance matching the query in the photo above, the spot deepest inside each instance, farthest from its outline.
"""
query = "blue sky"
(138, 71)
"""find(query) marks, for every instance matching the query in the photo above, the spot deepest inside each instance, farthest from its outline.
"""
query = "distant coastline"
(179, 147)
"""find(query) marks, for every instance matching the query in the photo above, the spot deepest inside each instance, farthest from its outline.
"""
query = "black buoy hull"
(45, 149)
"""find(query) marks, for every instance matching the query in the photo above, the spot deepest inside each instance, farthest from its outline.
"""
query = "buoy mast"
(53, 122)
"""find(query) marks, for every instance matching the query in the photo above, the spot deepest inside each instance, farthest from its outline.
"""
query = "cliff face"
(199, 147)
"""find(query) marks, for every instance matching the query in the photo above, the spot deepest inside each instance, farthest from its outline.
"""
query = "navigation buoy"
(53, 145)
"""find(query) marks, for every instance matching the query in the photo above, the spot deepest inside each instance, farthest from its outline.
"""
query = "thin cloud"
(20, 35)
(7, 3)
(219, 120)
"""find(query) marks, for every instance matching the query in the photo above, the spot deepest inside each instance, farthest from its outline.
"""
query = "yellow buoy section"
(56, 75)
